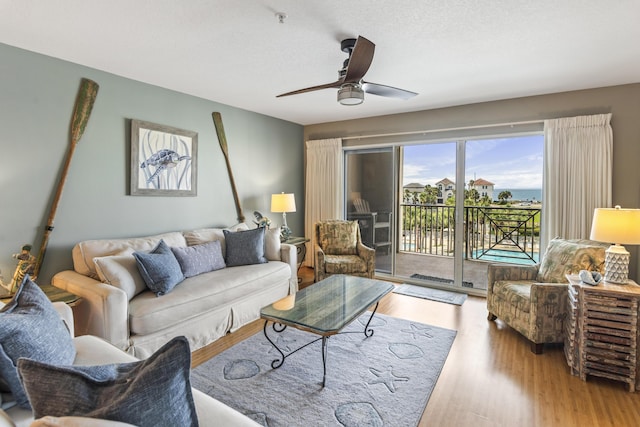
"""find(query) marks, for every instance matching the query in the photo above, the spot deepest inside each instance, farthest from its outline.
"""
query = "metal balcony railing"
(505, 234)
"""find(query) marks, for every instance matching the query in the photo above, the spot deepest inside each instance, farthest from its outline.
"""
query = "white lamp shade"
(616, 225)
(283, 202)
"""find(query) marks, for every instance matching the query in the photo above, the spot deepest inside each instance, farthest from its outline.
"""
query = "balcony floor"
(439, 267)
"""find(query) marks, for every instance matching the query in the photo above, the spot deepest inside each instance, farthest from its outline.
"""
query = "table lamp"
(283, 203)
(617, 226)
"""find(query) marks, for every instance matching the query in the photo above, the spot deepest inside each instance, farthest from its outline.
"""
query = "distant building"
(446, 189)
(414, 187)
(483, 187)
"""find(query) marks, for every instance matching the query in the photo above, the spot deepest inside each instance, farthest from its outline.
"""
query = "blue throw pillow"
(31, 327)
(244, 247)
(151, 392)
(200, 259)
(159, 268)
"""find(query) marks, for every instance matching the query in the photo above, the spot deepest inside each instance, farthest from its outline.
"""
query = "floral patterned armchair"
(339, 250)
(533, 299)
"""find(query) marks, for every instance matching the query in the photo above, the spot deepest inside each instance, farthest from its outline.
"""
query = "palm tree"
(504, 195)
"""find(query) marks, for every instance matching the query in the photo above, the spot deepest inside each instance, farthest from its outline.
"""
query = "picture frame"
(164, 160)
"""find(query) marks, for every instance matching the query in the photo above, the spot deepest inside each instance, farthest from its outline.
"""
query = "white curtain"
(578, 155)
(324, 183)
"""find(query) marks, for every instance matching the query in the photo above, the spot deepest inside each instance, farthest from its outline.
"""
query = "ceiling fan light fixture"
(350, 94)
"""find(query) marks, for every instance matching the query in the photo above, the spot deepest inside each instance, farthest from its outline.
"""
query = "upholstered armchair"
(533, 299)
(339, 250)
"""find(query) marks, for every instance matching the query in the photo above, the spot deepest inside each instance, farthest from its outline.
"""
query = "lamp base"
(616, 264)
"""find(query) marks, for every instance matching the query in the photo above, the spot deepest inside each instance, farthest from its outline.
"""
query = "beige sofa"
(202, 308)
(91, 350)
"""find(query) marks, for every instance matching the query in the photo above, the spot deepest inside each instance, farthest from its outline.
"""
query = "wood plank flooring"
(491, 378)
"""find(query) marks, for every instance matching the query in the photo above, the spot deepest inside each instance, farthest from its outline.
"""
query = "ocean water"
(522, 194)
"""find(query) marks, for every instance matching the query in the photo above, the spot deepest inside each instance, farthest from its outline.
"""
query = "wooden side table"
(55, 295)
(301, 249)
(606, 331)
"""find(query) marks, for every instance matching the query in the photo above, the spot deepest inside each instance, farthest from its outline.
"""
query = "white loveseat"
(202, 308)
(91, 350)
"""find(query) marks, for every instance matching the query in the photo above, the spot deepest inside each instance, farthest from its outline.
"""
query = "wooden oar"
(217, 121)
(82, 110)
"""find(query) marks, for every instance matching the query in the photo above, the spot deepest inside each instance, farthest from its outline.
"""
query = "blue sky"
(509, 163)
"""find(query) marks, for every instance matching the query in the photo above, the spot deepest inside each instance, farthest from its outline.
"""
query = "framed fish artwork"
(163, 160)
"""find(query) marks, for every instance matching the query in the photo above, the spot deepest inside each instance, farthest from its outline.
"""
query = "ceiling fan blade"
(335, 84)
(360, 60)
(387, 91)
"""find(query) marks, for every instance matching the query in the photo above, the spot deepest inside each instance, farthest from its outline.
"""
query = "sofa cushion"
(569, 257)
(122, 272)
(338, 237)
(344, 264)
(199, 259)
(204, 235)
(85, 252)
(152, 392)
(244, 247)
(31, 327)
(516, 293)
(159, 269)
(272, 244)
(203, 294)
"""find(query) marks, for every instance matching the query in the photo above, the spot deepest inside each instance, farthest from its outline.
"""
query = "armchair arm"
(497, 272)
(66, 314)
(318, 263)
(103, 310)
(549, 310)
(289, 255)
(369, 256)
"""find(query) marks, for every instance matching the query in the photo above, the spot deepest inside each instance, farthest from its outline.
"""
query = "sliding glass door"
(370, 194)
(439, 212)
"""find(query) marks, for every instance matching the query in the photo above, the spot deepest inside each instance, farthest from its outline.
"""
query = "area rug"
(383, 380)
(431, 294)
(465, 283)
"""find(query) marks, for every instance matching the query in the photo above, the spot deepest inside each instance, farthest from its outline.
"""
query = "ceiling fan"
(351, 87)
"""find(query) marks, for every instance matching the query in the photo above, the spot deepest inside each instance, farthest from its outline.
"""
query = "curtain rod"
(417, 132)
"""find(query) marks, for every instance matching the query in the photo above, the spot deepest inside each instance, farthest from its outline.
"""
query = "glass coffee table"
(324, 308)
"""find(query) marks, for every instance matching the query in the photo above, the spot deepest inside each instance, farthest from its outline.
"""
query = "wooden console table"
(601, 332)
(54, 294)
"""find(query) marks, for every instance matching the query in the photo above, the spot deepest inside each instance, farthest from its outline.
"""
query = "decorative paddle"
(82, 110)
(217, 121)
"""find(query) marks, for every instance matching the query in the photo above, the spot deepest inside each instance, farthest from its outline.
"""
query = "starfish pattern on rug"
(417, 331)
(386, 377)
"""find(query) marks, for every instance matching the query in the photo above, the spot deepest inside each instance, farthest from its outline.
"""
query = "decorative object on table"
(386, 379)
(26, 266)
(592, 278)
(81, 113)
(261, 220)
(164, 160)
(283, 203)
(222, 139)
(617, 226)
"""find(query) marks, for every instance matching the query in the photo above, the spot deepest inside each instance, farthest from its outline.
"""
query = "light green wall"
(622, 101)
(37, 94)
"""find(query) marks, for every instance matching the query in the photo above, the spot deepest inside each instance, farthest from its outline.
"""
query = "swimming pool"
(511, 257)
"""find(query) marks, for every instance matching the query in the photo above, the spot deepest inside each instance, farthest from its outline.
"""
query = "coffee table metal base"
(279, 328)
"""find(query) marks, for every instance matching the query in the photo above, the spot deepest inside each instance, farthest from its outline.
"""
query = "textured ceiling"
(451, 52)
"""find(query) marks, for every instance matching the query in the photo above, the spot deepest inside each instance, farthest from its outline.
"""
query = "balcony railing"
(505, 234)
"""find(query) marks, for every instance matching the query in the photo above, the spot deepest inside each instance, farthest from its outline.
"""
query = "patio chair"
(533, 299)
(339, 250)
(375, 227)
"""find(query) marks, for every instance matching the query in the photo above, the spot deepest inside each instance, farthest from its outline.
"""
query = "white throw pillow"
(272, 244)
(122, 272)
(206, 235)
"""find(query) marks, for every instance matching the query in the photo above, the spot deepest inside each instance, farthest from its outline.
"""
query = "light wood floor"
(491, 378)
